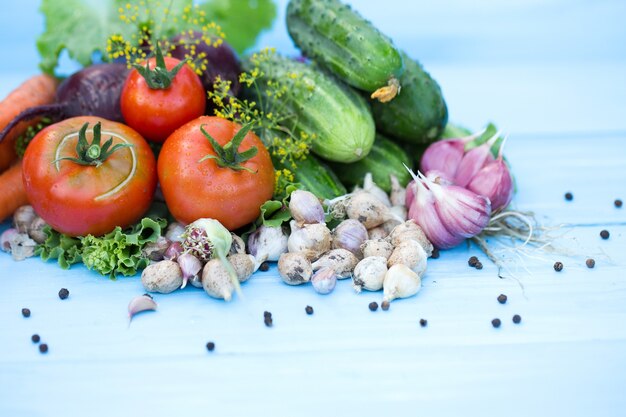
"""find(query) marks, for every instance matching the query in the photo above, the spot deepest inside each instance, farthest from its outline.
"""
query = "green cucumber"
(385, 158)
(316, 177)
(337, 37)
(419, 114)
(317, 104)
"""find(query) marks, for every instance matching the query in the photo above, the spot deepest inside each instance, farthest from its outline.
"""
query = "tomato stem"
(159, 78)
(228, 156)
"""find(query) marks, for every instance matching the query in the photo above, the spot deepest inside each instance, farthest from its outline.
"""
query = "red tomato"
(88, 199)
(196, 189)
(156, 113)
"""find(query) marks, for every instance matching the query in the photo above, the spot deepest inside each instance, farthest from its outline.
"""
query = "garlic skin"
(376, 247)
(163, 277)
(368, 209)
(340, 260)
(216, 280)
(378, 232)
(36, 232)
(350, 235)
(294, 268)
(369, 274)
(410, 230)
(397, 197)
(267, 243)
(411, 254)
(370, 186)
(190, 267)
(305, 208)
(244, 265)
(141, 303)
(311, 239)
(23, 217)
(443, 156)
(238, 245)
(495, 182)
(175, 231)
(400, 282)
(324, 281)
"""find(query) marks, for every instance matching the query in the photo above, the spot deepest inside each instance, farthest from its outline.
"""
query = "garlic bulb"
(472, 161)
(376, 247)
(267, 243)
(410, 230)
(294, 268)
(398, 192)
(369, 274)
(368, 209)
(311, 239)
(400, 282)
(163, 277)
(243, 264)
(324, 281)
(36, 230)
(305, 208)
(216, 280)
(370, 186)
(19, 245)
(341, 261)
(411, 254)
(350, 235)
(23, 217)
(495, 182)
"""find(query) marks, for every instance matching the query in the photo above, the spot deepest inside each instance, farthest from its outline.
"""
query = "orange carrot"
(35, 91)
(12, 193)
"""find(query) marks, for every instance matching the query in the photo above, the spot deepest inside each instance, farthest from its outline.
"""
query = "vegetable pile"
(168, 154)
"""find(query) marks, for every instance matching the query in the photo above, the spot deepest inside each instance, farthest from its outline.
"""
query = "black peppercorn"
(210, 346)
(496, 323)
(43, 348)
(423, 322)
(478, 265)
(373, 306)
(590, 263)
(385, 305)
(618, 203)
(35, 338)
(502, 298)
(472, 261)
(309, 310)
(605, 234)
(25, 312)
(558, 266)
(435, 254)
(268, 321)
(569, 196)
(264, 267)
(63, 293)
(267, 314)
(517, 319)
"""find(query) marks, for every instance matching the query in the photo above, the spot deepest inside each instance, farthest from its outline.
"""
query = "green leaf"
(241, 20)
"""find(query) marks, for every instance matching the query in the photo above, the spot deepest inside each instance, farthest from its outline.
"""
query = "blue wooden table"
(553, 75)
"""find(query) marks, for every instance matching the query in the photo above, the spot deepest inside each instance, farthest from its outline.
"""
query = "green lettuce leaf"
(65, 249)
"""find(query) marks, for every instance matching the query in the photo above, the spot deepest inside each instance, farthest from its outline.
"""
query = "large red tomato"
(79, 192)
(156, 107)
(196, 187)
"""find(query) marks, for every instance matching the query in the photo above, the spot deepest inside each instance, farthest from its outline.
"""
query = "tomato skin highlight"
(78, 200)
(194, 189)
(156, 113)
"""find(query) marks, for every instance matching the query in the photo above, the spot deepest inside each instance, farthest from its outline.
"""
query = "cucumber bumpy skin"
(319, 104)
(419, 114)
(337, 37)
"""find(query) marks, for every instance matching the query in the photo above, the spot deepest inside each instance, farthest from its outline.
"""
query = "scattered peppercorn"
(35, 338)
(267, 314)
(502, 298)
(472, 261)
(309, 310)
(63, 293)
(558, 266)
(435, 254)
(25, 312)
(385, 305)
(423, 322)
(496, 323)
(373, 306)
(478, 265)
(517, 319)
(264, 267)
(590, 263)
(268, 321)
(569, 196)
(43, 348)
(618, 203)
(605, 234)
(210, 346)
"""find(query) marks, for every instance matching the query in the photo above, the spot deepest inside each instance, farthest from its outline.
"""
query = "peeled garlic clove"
(23, 217)
(141, 303)
(341, 261)
(376, 247)
(411, 254)
(294, 268)
(190, 267)
(369, 274)
(378, 232)
(238, 245)
(174, 232)
(410, 230)
(398, 192)
(267, 243)
(243, 264)
(324, 281)
(312, 239)
(350, 235)
(400, 282)
(163, 277)
(370, 186)
(305, 208)
(368, 209)
(216, 280)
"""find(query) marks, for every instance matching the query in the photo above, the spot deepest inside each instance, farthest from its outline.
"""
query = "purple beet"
(92, 91)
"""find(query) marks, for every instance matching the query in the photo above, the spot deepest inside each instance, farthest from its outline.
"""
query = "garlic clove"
(155, 251)
(175, 232)
(400, 282)
(311, 239)
(472, 162)
(173, 251)
(398, 192)
(216, 280)
(163, 277)
(341, 261)
(411, 254)
(370, 186)
(294, 268)
(368, 209)
(243, 264)
(463, 212)
(190, 267)
(401, 213)
(267, 243)
(324, 280)
(238, 245)
(495, 182)
(306, 208)
(369, 274)
(350, 235)
(444, 156)
(379, 232)
(36, 230)
(376, 247)
(410, 230)
(7, 237)
(141, 303)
